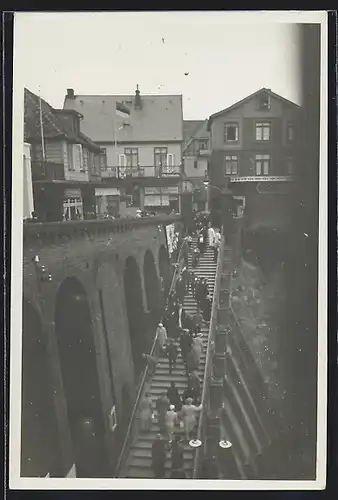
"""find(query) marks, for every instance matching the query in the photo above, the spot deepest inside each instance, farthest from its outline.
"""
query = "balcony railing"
(203, 419)
(47, 171)
(142, 172)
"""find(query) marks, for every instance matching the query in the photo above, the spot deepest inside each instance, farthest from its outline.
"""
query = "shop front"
(161, 199)
(72, 204)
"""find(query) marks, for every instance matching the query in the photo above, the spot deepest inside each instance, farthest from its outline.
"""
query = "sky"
(212, 58)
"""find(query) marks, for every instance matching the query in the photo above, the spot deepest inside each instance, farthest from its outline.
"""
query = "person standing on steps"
(185, 345)
(211, 236)
(196, 257)
(170, 421)
(201, 244)
(172, 353)
(180, 289)
(158, 457)
(192, 283)
(186, 279)
(217, 244)
(162, 337)
(189, 412)
(146, 413)
(207, 309)
(174, 396)
(162, 405)
(185, 251)
(197, 321)
(177, 457)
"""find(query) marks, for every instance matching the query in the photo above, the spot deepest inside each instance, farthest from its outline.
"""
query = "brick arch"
(138, 332)
(40, 453)
(116, 341)
(77, 355)
(152, 285)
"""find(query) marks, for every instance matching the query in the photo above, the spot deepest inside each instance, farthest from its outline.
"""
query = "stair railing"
(203, 417)
(129, 436)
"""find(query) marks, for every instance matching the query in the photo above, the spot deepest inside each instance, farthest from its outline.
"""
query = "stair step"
(146, 462)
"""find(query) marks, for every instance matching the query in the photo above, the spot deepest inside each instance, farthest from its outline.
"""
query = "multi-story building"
(141, 153)
(65, 163)
(195, 152)
(254, 152)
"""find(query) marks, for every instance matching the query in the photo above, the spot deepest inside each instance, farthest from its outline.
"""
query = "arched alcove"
(152, 287)
(136, 318)
(164, 266)
(39, 438)
(73, 325)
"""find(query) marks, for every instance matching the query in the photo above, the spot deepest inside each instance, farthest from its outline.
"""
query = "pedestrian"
(197, 322)
(161, 335)
(185, 251)
(181, 316)
(174, 396)
(146, 413)
(193, 360)
(196, 257)
(152, 363)
(158, 457)
(200, 291)
(216, 245)
(189, 412)
(186, 279)
(177, 457)
(211, 236)
(172, 353)
(170, 421)
(189, 393)
(194, 383)
(180, 289)
(162, 405)
(200, 244)
(185, 344)
(207, 307)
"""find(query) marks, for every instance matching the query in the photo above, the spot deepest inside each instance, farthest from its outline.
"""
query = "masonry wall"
(98, 263)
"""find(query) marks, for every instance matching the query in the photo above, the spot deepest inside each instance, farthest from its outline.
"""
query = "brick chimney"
(70, 94)
(137, 98)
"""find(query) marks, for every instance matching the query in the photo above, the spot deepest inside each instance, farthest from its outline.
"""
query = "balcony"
(142, 172)
(47, 171)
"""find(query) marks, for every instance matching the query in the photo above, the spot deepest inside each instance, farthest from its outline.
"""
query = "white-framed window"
(290, 131)
(170, 160)
(289, 166)
(262, 164)
(231, 132)
(160, 157)
(131, 155)
(103, 159)
(78, 157)
(263, 131)
(231, 165)
(112, 419)
(122, 160)
(71, 165)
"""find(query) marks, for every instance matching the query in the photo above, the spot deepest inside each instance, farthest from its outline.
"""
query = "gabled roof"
(195, 129)
(55, 122)
(251, 96)
(159, 119)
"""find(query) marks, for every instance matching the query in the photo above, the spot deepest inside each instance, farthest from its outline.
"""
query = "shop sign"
(266, 178)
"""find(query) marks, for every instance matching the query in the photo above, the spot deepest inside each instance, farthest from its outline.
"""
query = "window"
(231, 165)
(262, 163)
(71, 165)
(131, 156)
(264, 102)
(263, 131)
(103, 159)
(290, 132)
(122, 160)
(230, 132)
(289, 166)
(202, 145)
(160, 156)
(170, 160)
(78, 157)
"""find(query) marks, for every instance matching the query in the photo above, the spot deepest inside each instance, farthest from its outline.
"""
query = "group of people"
(172, 409)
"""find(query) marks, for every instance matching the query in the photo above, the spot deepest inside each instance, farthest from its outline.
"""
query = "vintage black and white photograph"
(169, 241)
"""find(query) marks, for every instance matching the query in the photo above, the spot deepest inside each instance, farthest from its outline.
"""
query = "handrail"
(141, 386)
(208, 363)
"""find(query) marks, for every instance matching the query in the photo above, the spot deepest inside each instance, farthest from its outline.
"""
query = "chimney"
(70, 94)
(137, 98)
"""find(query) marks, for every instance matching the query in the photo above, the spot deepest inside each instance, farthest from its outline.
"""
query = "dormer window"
(264, 102)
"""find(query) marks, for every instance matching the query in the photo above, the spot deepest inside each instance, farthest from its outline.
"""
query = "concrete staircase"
(137, 463)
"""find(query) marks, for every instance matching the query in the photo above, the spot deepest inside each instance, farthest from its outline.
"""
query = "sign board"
(111, 191)
(163, 190)
(261, 178)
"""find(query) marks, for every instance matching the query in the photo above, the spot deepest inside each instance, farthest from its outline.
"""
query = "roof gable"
(159, 119)
(200, 131)
(248, 98)
(55, 122)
